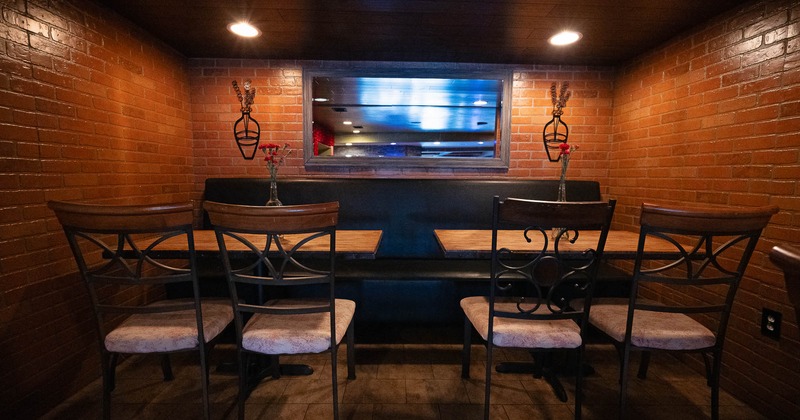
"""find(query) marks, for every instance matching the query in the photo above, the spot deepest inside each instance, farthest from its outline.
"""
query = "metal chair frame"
(103, 240)
(552, 277)
(277, 264)
(707, 243)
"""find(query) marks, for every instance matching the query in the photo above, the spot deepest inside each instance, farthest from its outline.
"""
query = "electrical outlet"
(771, 323)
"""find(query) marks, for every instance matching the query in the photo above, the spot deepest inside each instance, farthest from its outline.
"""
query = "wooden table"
(620, 244)
(350, 244)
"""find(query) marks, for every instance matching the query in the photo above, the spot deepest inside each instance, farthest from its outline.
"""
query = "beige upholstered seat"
(169, 331)
(115, 248)
(526, 303)
(682, 303)
(263, 246)
(520, 333)
(659, 330)
(302, 333)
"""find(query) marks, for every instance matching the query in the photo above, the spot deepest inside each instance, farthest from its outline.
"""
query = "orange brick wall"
(91, 108)
(714, 117)
(278, 109)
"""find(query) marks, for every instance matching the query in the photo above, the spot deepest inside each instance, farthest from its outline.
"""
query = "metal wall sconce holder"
(556, 131)
(246, 129)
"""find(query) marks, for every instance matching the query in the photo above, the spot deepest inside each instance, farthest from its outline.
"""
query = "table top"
(620, 244)
(350, 244)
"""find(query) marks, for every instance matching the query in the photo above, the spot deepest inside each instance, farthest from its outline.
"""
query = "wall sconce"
(246, 130)
(556, 131)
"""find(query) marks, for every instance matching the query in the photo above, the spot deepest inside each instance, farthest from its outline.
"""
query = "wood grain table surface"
(350, 244)
(620, 244)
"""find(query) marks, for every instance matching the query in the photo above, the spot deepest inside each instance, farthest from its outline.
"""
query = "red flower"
(274, 155)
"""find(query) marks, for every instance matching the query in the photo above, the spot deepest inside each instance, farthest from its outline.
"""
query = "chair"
(114, 248)
(682, 304)
(787, 258)
(264, 246)
(526, 307)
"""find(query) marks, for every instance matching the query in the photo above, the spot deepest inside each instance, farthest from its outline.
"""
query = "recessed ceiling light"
(480, 102)
(347, 122)
(244, 29)
(565, 38)
(356, 131)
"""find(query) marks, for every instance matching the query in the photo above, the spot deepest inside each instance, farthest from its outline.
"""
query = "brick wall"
(278, 109)
(714, 117)
(91, 108)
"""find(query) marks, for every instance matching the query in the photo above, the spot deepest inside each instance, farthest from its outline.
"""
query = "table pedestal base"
(547, 368)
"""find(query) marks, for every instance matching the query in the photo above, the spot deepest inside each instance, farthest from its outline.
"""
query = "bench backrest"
(407, 210)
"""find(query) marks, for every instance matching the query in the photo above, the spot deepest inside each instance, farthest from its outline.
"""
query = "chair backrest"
(113, 247)
(712, 247)
(787, 258)
(268, 246)
(543, 280)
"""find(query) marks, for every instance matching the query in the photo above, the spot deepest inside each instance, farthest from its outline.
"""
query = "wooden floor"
(403, 381)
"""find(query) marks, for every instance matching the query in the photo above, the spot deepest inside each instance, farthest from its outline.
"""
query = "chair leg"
(351, 351)
(466, 351)
(579, 382)
(113, 370)
(244, 388)
(623, 389)
(538, 365)
(275, 365)
(621, 356)
(488, 388)
(166, 368)
(643, 365)
(204, 381)
(109, 364)
(709, 369)
(714, 382)
(334, 383)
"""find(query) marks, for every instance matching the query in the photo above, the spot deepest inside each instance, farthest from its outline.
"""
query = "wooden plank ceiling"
(469, 31)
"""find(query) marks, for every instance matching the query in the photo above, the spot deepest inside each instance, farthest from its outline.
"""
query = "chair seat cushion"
(520, 333)
(295, 334)
(656, 330)
(169, 331)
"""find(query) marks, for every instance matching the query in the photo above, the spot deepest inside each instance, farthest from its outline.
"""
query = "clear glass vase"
(273, 187)
(562, 182)
(562, 195)
(273, 194)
